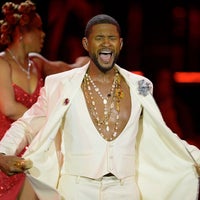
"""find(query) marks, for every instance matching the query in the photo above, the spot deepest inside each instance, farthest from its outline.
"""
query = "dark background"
(160, 37)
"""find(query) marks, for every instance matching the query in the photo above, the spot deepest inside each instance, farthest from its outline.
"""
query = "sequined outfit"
(11, 185)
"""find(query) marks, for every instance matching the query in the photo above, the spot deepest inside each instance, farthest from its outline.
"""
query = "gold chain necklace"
(115, 96)
(20, 66)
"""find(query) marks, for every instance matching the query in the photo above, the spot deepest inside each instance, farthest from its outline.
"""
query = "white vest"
(85, 151)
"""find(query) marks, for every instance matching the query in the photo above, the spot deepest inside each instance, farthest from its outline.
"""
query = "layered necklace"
(28, 70)
(111, 103)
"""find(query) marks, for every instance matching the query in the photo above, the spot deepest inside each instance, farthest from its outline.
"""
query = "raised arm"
(52, 67)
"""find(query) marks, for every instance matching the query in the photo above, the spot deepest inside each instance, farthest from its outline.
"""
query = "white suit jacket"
(165, 168)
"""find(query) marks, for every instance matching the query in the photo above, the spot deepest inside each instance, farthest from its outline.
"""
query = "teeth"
(105, 51)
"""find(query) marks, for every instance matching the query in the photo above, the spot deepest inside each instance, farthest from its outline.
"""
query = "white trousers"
(106, 188)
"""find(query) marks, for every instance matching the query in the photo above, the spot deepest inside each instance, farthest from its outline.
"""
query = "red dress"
(11, 185)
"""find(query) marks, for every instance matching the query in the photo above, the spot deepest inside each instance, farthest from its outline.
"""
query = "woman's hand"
(11, 165)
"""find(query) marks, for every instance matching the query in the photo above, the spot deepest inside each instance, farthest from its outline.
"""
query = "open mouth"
(105, 55)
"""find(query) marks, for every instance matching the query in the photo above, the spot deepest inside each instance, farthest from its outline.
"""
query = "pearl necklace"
(114, 97)
(105, 99)
(20, 66)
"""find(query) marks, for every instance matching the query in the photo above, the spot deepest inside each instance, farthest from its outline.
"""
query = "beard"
(101, 67)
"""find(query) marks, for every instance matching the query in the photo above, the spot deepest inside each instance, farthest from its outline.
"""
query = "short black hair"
(101, 19)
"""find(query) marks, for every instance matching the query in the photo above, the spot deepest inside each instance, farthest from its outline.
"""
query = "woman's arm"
(52, 67)
(8, 105)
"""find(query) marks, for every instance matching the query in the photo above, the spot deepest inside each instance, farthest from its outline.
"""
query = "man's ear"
(85, 43)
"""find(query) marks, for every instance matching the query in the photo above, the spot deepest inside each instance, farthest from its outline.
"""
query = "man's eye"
(98, 38)
(112, 38)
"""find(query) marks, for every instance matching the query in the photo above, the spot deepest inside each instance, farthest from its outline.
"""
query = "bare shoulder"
(4, 63)
(37, 57)
(5, 71)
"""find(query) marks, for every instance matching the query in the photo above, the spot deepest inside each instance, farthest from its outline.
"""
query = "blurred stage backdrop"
(161, 41)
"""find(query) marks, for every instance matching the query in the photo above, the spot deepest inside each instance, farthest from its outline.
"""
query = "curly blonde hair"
(22, 15)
